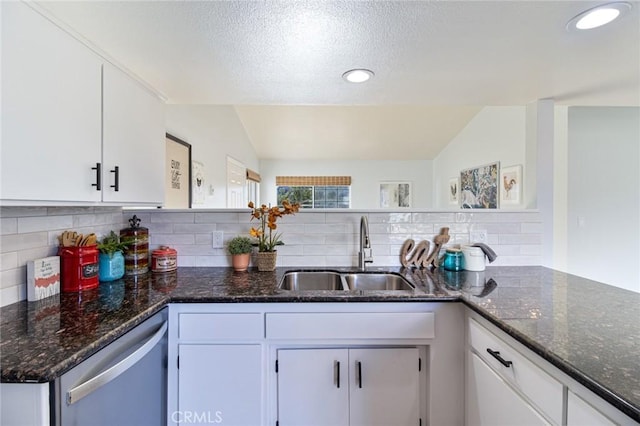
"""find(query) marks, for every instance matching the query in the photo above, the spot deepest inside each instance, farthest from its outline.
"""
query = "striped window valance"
(254, 176)
(313, 180)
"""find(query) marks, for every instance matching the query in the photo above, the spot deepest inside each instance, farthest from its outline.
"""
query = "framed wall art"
(395, 194)
(479, 187)
(511, 185)
(177, 182)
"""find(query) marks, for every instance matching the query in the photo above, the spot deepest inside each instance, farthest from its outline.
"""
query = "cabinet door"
(219, 384)
(384, 387)
(133, 141)
(313, 387)
(579, 413)
(491, 402)
(51, 106)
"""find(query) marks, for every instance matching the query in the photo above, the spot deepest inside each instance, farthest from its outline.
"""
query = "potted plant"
(111, 259)
(240, 248)
(266, 233)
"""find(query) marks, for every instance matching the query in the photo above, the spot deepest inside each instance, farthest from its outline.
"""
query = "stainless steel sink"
(377, 281)
(312, 280)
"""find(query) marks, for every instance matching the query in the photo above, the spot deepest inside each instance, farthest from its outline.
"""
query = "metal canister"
(136, 256)
(164, 259)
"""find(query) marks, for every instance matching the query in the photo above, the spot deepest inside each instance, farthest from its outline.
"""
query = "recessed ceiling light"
(359, 75)
(598, 16)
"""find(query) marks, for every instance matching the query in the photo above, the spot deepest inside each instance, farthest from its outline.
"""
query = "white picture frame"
(511, 185)
(454, 191)
(395, 195)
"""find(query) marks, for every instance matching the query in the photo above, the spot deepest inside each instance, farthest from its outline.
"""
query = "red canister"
(164, 259)
(79, 268)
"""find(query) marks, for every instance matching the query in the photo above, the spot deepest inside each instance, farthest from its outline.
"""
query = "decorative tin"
(79, 268)
(164, 259)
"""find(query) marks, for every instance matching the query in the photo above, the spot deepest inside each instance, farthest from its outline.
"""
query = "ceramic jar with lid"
(453, 260)
(136, 256)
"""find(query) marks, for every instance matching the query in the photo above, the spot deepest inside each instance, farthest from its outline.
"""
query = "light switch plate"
(479, 236)
(218, 239)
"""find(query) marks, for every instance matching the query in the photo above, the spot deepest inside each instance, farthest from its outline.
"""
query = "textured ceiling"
(451, 54)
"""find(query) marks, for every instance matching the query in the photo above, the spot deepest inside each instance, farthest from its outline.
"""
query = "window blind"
(313, 180)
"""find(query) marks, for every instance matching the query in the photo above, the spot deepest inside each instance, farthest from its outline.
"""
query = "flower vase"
(266, 260)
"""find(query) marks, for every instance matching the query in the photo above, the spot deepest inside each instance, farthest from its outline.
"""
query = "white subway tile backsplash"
(31, 232)
(171, 239)
(312, 239)
(13, 294)
(16, 242)
(389, 218)
(521, 239)
(221, 217)
(194, 228)
(22, 211)
(8, 225)
(13, 277)
(8, 260)
(327, 250)
(44, 223)
(172, 217)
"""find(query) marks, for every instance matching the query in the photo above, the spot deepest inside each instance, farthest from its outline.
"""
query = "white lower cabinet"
(350, 386)
(219, 384)
(304, 364)
(580, 413)
(492, 402)
(507, 384)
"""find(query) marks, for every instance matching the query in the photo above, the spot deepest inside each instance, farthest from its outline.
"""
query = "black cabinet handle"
(496, 355)
(359, 373)
(337, 367)
(116, 185)
(98, 169)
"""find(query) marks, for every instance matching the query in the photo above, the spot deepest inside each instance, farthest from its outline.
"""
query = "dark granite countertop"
(586, 329)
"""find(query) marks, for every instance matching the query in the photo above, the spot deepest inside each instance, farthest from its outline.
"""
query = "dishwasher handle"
(86, 388)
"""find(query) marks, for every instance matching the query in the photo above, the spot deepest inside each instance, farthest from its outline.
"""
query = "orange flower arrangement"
(268, 239)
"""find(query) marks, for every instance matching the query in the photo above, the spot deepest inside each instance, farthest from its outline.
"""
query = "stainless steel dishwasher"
(123, 384)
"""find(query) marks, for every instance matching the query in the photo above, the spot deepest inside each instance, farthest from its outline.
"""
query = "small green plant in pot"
(111, 259)
(240, 249)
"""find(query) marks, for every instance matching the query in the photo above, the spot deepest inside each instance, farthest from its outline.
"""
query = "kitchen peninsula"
(560, 318)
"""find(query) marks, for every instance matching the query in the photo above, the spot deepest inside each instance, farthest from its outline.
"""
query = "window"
(315, 192)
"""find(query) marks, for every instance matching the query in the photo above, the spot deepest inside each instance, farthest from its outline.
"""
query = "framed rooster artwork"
(511, 185)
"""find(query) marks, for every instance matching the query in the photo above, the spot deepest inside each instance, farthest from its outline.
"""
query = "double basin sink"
(343, 281)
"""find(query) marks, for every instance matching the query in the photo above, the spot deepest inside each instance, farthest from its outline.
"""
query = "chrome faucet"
(365, 254)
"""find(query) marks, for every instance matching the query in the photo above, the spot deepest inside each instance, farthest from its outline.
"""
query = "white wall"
(366, 176)
(494, 134)
(213, 132)
(603, 191)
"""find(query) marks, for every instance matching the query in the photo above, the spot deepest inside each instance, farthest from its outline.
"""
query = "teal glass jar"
(110, 266)
(453, 260)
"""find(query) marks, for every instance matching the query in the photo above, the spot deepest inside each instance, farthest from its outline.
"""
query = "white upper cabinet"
(51, 111)
(69, 119)
(133, 138)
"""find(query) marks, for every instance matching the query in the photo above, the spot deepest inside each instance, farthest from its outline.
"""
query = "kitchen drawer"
(379, 325)
(240, 326)
(539, 387)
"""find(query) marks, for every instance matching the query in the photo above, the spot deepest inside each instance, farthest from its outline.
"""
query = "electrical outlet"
(478, 236)
(218, 239)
